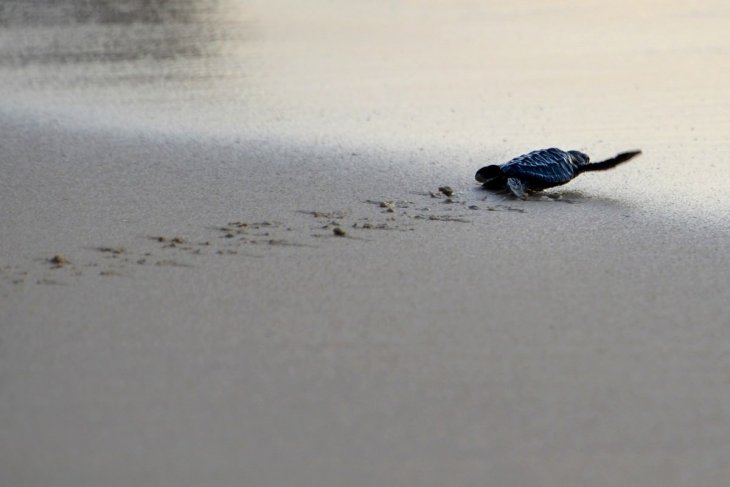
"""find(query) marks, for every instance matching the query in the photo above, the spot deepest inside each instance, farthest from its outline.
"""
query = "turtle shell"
(544, 168)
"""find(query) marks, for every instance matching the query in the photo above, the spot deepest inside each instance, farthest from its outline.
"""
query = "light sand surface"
(577, 338)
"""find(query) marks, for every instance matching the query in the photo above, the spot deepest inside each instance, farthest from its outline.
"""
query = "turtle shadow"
(550, 196)
(572, 196)
(566, 196)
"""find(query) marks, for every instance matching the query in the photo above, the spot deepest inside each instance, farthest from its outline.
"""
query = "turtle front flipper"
(517, 187)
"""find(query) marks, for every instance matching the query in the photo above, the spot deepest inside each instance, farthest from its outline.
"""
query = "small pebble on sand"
(59, 260)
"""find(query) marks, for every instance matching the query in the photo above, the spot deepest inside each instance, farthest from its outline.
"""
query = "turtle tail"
(491, 177)
(608, 163)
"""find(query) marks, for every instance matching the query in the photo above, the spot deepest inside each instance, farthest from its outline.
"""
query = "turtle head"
(578, 158)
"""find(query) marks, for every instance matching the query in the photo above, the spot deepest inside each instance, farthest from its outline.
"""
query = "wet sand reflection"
(111, 31)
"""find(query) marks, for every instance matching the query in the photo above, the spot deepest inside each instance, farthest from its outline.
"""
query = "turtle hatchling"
(543, 169)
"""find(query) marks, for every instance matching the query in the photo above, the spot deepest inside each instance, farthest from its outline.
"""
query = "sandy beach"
(259, 281)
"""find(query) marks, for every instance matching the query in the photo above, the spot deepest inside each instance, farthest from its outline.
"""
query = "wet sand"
(299, 304)
(576, 340)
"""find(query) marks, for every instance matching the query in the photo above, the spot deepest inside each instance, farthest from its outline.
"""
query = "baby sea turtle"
(543, 169)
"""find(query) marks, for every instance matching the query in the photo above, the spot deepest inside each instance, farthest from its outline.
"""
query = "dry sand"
(207, 325)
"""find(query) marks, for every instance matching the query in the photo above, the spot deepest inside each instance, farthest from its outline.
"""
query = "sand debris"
(171, 263)
(50, 282)
(390, 203)
(442, 218)
(505, 208)
(254, 225)
(235, 236)
(110, 273)
(112, 250)
(59, 261)
(379, 226)
(336, 215)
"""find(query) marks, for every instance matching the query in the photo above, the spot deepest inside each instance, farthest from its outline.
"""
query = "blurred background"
(474, 82)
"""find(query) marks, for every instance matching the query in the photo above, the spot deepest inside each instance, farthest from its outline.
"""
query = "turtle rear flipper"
(608, 163)
(518, 188)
